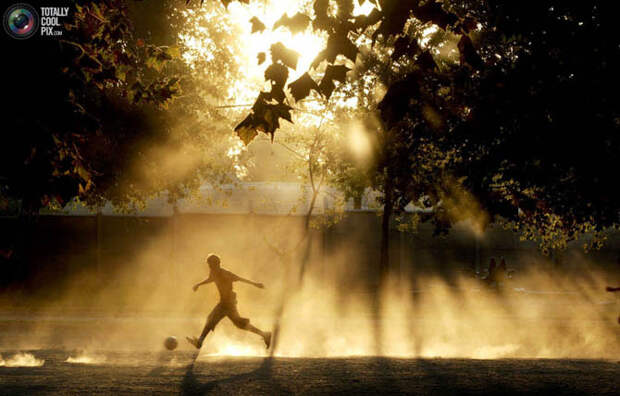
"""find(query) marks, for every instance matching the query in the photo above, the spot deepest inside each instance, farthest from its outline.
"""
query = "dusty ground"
(51, 346)
(175, 372)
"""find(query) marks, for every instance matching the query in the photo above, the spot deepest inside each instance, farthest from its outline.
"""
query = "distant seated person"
(497, 275)
(504, 271)
(490, 278)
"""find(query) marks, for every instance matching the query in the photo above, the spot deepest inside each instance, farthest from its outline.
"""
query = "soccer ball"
(171, 343)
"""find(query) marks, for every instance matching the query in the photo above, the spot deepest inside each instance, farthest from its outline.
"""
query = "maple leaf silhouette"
(332, 73)
(257, 25)
(296, 24)
(336, 45)
(265, 117)
(277, 73)
(287, 56)
(337, 72)
(364, 21)
(395, 15)
(246, 130)
(301, 87)
(322, 20)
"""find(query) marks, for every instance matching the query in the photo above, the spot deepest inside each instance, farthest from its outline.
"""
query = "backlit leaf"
(332, 73)
(277, 73)
(287, 56)
(296, 24)
(301, 87)
(257, 25)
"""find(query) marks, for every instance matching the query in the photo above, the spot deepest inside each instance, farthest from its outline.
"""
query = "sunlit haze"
(310, 197)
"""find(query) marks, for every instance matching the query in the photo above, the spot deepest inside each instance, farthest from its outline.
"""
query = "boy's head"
(214, 261)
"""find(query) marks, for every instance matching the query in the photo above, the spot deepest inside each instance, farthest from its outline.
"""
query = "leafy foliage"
(491, 110)
(111, 126)
(390, 17)
(100, 69)
(499, 125)
(405, 46)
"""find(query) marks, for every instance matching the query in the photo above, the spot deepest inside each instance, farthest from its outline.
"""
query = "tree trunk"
(384, 263)
(357, 202)
(315, 194)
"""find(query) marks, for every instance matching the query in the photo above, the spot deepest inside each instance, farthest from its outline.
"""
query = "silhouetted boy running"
(228, 302)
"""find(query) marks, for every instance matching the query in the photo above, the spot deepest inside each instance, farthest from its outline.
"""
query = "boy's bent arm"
(204, 282)
(240, 279)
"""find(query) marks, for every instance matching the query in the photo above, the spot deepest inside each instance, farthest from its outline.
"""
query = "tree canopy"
(122, 108)
(517, 122)
(485, 110)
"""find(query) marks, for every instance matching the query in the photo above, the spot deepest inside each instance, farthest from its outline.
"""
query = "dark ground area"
(174, 373)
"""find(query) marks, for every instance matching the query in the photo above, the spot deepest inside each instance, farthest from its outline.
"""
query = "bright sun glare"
(307, 43)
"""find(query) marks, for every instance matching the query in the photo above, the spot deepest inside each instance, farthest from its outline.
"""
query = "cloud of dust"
(86, 358)
(538, 314)
(466, 320)
(21, 359)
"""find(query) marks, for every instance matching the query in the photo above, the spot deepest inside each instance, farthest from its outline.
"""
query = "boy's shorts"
(226, 308)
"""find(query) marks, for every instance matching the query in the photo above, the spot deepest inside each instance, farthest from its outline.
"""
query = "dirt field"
(175, 373)
(72, 354)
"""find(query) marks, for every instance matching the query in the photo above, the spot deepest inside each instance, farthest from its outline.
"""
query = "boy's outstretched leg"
(197, 342)
(194, 341)
(214, 318)
(265, 334)
(244, 324)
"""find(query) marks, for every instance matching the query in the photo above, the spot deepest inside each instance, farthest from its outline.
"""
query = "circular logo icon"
(21, 21)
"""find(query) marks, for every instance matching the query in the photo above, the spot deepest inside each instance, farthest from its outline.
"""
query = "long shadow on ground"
(261, 380)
